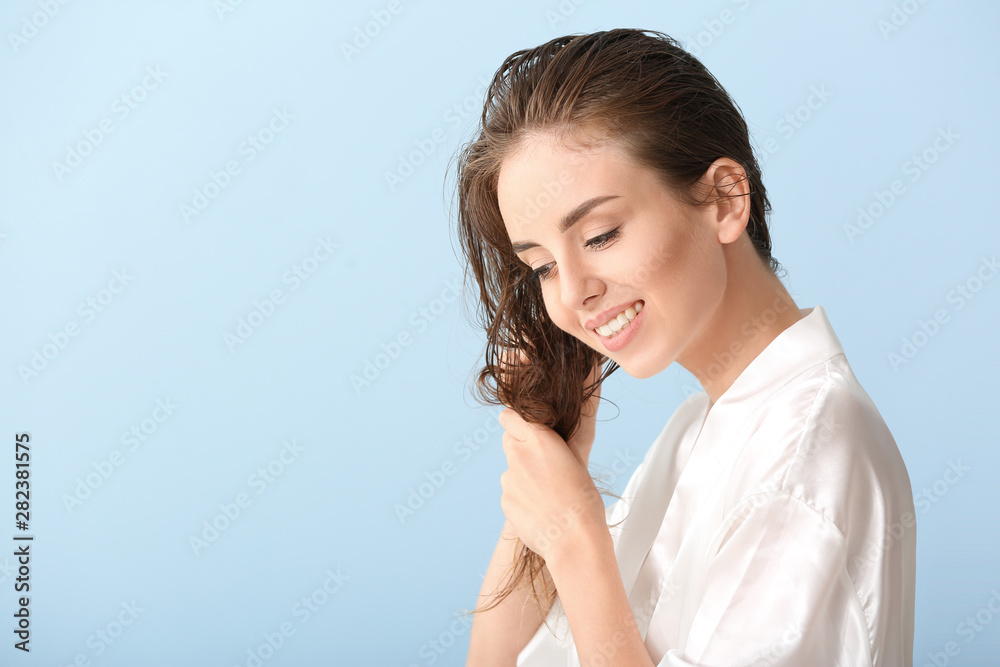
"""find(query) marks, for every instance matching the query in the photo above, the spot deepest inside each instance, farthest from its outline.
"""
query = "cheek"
(553, 309)
(656, 267)
(566, 320)
(682, 278)
(669, 270)
(562, 318)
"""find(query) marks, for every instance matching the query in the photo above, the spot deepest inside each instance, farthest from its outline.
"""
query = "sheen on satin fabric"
(774, 527)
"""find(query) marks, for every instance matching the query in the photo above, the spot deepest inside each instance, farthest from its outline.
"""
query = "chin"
(639, 368)
(641, 372)
(643, 368)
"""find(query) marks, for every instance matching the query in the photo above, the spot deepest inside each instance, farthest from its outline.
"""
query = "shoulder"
(819, 469)
(821, 439)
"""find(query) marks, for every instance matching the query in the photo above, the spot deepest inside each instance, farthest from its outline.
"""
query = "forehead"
(546, 176)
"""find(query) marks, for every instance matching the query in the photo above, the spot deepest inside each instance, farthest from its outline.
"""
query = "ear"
(731, 197)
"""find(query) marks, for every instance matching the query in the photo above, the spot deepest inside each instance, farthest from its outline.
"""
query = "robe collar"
(809, 341)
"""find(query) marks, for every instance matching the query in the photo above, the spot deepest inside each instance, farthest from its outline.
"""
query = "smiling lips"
(620, 321)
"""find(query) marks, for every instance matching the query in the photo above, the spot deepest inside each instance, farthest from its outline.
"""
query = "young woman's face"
(630, 241)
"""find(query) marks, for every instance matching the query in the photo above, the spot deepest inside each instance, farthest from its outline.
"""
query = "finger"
(516, 426)
(511, 422)
(512, 448)
(509, 436)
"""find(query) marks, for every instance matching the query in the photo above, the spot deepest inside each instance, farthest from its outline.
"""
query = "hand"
(549, 497)
(582, 440)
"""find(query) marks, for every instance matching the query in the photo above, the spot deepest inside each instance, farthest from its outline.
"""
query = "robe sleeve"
(777, 593)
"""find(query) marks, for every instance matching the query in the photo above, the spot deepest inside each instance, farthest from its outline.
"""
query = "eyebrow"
(568, 220)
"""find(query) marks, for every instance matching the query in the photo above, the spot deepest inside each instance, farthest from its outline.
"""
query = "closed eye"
(543, 273)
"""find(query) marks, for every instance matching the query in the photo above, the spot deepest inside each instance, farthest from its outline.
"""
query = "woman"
(613, 215)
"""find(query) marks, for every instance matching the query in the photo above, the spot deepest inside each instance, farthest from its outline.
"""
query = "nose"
(578, 283)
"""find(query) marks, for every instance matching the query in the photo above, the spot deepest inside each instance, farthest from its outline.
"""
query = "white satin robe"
(773, 528)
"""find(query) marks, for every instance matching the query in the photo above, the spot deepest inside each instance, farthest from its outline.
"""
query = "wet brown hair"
(638, 89)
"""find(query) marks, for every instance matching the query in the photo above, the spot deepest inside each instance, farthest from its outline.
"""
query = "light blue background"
(333, 507)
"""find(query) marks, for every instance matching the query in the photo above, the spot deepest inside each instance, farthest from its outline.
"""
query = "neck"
(754, 309)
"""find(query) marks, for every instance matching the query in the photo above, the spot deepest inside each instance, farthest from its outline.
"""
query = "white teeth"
(617, 324)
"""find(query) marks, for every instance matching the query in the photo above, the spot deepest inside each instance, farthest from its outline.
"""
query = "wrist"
(588, 544)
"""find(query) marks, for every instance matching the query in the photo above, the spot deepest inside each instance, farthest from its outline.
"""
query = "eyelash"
(598, 242)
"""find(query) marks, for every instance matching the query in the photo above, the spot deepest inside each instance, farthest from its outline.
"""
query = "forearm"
(597, 607)
(497, 636)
